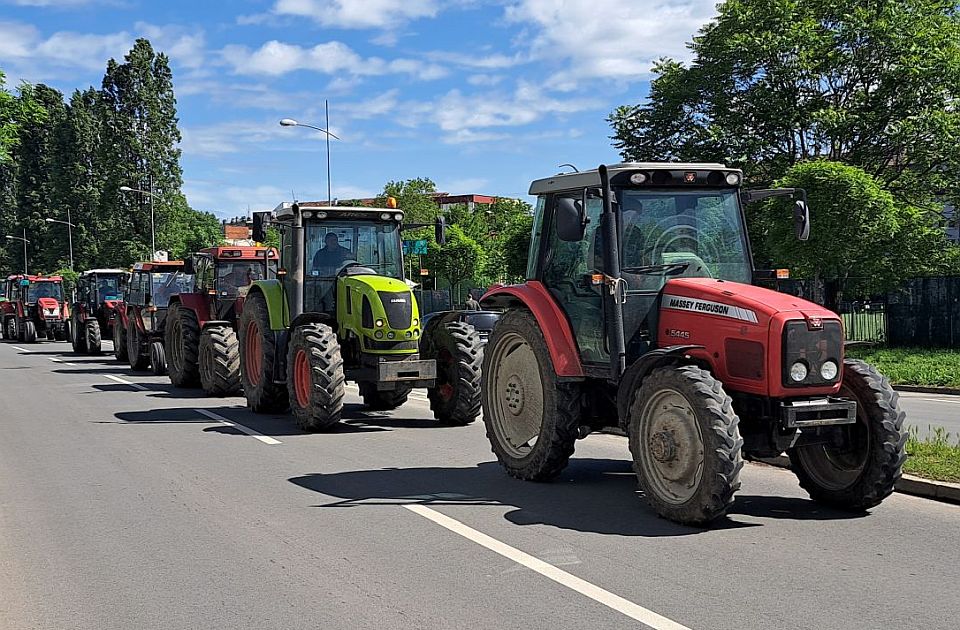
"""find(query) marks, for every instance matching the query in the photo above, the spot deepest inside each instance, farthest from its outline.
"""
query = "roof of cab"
(584, 179)
(102, 272)
(247, 252)
(285, 211)
(169, 265)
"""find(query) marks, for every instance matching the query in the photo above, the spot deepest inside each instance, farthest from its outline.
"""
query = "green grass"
(913, 366)
(934, 457)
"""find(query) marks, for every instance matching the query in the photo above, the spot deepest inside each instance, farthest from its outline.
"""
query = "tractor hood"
(734, 300)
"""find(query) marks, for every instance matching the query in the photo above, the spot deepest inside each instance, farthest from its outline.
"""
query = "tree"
(777, 82)
(859, 230)
(414, 197)
(460, 259)
(8, 121)
(515, 248)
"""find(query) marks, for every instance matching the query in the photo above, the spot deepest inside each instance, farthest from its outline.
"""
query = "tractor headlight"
(416, 322)
(798, 372)
(379, 323)
(391, 335)
(829, 370)
(384, 216)
(398, 217)
(378, 334)
(638, 178)
(409, 334)
(416, 334)
(733, 179)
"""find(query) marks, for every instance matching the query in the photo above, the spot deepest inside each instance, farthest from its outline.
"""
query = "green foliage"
(936, 457)
(414, 197)
(859, 229)
(460, 259)
(273, 238)
(913, 366)
(8, 121)
(70, 278)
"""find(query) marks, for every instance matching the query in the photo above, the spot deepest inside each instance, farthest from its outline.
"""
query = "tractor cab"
(639, 312)
(222, 275)
(152, 284)
(35, 307)
(98, 296)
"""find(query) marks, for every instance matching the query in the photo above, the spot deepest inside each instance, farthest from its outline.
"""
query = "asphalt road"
(124, 504)
(926, 412)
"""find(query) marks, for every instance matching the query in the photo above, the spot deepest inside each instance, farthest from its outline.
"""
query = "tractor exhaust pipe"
(614, 284)
(297, 265)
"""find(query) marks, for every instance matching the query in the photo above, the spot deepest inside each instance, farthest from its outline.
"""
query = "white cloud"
(484, 79)
(276, 58)
(356, 14)
(465, 186)
(16, 40)
(495, 61)
(228, 201)
(604, 39)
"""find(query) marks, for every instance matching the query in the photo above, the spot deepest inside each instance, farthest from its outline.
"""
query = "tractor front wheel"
(383, 400)
(78, 340)
(158, 359)
(219, 361)
(258, 355)
(138, 352)
(92, 337)
(182, 338)
(455, 399)
(315, 377)
(532, 418)
(685, 442)
(855, 466)
(29, 332)
(11, 328)
(119, 340)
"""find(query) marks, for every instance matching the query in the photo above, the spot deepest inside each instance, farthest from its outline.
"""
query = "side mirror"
(801, 220)
(570, 219)
(261, 221)
(189, 265)
(440, 231)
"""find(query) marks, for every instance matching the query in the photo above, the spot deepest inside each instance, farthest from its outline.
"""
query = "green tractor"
(340, 309)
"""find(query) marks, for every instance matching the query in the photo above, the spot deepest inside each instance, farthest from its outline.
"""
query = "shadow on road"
(592, 495)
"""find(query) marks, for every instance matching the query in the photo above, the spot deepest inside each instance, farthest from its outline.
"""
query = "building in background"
(238, 231)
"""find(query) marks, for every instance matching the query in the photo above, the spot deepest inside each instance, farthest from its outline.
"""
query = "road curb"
(949, 391)
(908, 484)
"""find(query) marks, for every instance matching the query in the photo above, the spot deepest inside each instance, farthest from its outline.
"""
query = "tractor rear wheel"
(315, 377)
(856, 466)
(182, 338)
(92, 337)
(119, 340)
(455, 399)
(685, 441)
(78, 338)
(383, 400)
(219, 361)
(138, 352)
(158, 359)
(532, 418)
(29, 332)
(258, 355)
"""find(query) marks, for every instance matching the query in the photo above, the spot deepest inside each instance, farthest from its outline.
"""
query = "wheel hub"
(514, 395)
(663, 447)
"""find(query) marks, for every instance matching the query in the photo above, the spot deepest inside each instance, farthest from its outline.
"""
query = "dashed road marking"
(56, 360)
(21, 349)
(266, 439)
(125, 382)
(594, 592)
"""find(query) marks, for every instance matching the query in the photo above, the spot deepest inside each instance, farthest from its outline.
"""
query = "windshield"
(108, 288)
(165, 285)
(44, 290)
(681, 234)
(234, 278)
(331, 244)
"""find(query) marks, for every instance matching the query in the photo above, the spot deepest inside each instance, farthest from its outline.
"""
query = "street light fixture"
(153, 227)
(25, 241)
(70, 227)
(290, 122)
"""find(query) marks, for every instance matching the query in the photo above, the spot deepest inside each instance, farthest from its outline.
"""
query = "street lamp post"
(25, 241)
(70, 227)
(153, 227)
(290, 122)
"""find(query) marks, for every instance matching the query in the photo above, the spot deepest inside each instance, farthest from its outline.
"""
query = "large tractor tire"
(532, 418)
(219, 361)
(258, 355)
(685, 441)
(182, 339)
(78, 338)
(92, 337)
(11, 328)
(119, 340)
(29, 332)
(315, 377)
(856, 466)
(383, 400)
(158, 359)
(458, 350)
(138, 352)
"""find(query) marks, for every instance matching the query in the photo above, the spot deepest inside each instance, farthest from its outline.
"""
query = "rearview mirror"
(801, 220)
(440, 231)
(189, 265)
(570, 223)
(261, 221)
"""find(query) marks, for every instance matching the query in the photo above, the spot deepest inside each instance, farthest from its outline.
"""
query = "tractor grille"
(813, 347)
(391, 345)
(398, 307)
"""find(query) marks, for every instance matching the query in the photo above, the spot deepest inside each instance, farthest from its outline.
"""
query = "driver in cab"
(329, 257)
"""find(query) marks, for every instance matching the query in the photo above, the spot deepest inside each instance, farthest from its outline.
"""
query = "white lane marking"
(594, 592)
(125, 382)
(21, 349)
(939, 400)
(56, 360)
(266, 439)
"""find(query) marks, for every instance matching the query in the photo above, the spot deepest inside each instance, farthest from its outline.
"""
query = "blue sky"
(481, 96)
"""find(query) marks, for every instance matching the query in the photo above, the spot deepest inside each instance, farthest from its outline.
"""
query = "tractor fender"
(215, 322)
(639, 370)
(196, 302)
(314, 318)
(535, 297)
(272, 292)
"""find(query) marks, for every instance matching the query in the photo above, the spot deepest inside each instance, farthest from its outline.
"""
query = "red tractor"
(138, 334)
(35, 307)
(638, 312)
(201, 339)
(95, 308)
